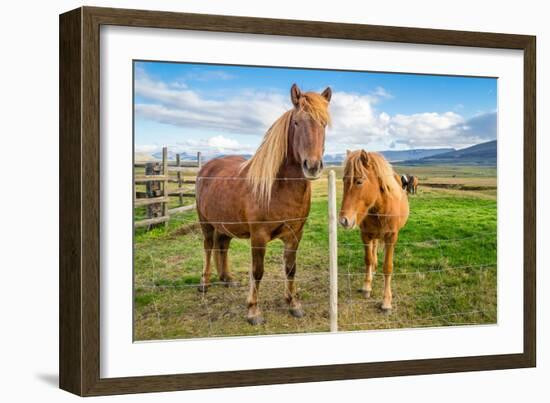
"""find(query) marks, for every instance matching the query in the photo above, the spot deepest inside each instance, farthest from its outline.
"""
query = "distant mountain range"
(331, 159)
(172, 156)
(480, 154)
(393, 155)
(484, 154)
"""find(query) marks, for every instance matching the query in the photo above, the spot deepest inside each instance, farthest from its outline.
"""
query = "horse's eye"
(359, 182)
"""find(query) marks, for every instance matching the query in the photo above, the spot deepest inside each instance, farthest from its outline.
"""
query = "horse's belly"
(220, 203)
(288, 230)
(241, 231)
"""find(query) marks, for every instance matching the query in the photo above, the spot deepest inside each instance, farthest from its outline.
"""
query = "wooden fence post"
(180, 182)
(165, 186)
(333, 252)
(157, 196)
(153, 190)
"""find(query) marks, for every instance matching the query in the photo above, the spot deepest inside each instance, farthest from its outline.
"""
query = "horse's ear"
(348, 152)
(364, 157)
(327, 94)
(295, 95)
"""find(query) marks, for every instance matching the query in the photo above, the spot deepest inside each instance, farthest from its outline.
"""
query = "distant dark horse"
(404, 181)
(267, 197)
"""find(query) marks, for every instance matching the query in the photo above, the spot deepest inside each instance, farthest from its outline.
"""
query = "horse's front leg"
(291, 247)
(370, 264)
(254, 315)
(389, 247)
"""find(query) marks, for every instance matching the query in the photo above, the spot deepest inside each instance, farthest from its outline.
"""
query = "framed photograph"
(250, 201)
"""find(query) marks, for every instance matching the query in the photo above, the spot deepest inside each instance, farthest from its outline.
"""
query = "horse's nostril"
(312, 168)
(313, 165)
(344, 221)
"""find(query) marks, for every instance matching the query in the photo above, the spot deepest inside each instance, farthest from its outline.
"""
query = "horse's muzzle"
(312, 168)
(346, 222)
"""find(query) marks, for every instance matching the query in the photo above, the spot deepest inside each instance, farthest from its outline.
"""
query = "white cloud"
(208, 146)
(247, 113)
(382, 93)
(446, 129)
(147, 148)
(223, 143)
(426, 129)
(357, 122)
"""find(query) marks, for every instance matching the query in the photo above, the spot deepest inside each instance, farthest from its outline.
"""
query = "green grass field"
(444, 269)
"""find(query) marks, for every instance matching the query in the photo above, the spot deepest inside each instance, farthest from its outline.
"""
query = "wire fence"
(435, 290)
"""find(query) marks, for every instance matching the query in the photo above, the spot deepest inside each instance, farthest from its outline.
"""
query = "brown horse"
(267, 197)
(412, 185)
(374, 200)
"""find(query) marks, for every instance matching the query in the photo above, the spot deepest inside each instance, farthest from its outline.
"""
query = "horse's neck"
(296, 184)
(291, 180)
(385, 204)
(290, 169)
(380, 204)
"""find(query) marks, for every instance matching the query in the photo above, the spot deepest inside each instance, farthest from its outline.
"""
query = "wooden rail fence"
(157, 177)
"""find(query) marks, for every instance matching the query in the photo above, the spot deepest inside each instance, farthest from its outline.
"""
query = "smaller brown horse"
(374, 200)
(412, 184)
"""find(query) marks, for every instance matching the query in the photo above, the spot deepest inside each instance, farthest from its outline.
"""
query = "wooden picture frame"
(80, 199)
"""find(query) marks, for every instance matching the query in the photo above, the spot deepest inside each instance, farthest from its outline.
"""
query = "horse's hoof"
(366, 293)
(297, 312)
(256, 320)
(202, 288)
(384, 310)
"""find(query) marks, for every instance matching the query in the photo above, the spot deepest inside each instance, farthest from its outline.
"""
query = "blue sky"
(215, 108)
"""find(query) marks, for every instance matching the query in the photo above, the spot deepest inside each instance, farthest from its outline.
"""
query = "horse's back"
(221, 191)
(219, 174)
(393, 215)
(397, 210)
(221, 167)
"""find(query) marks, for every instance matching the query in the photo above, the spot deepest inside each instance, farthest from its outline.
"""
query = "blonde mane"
(354, 168)
(265, 163)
